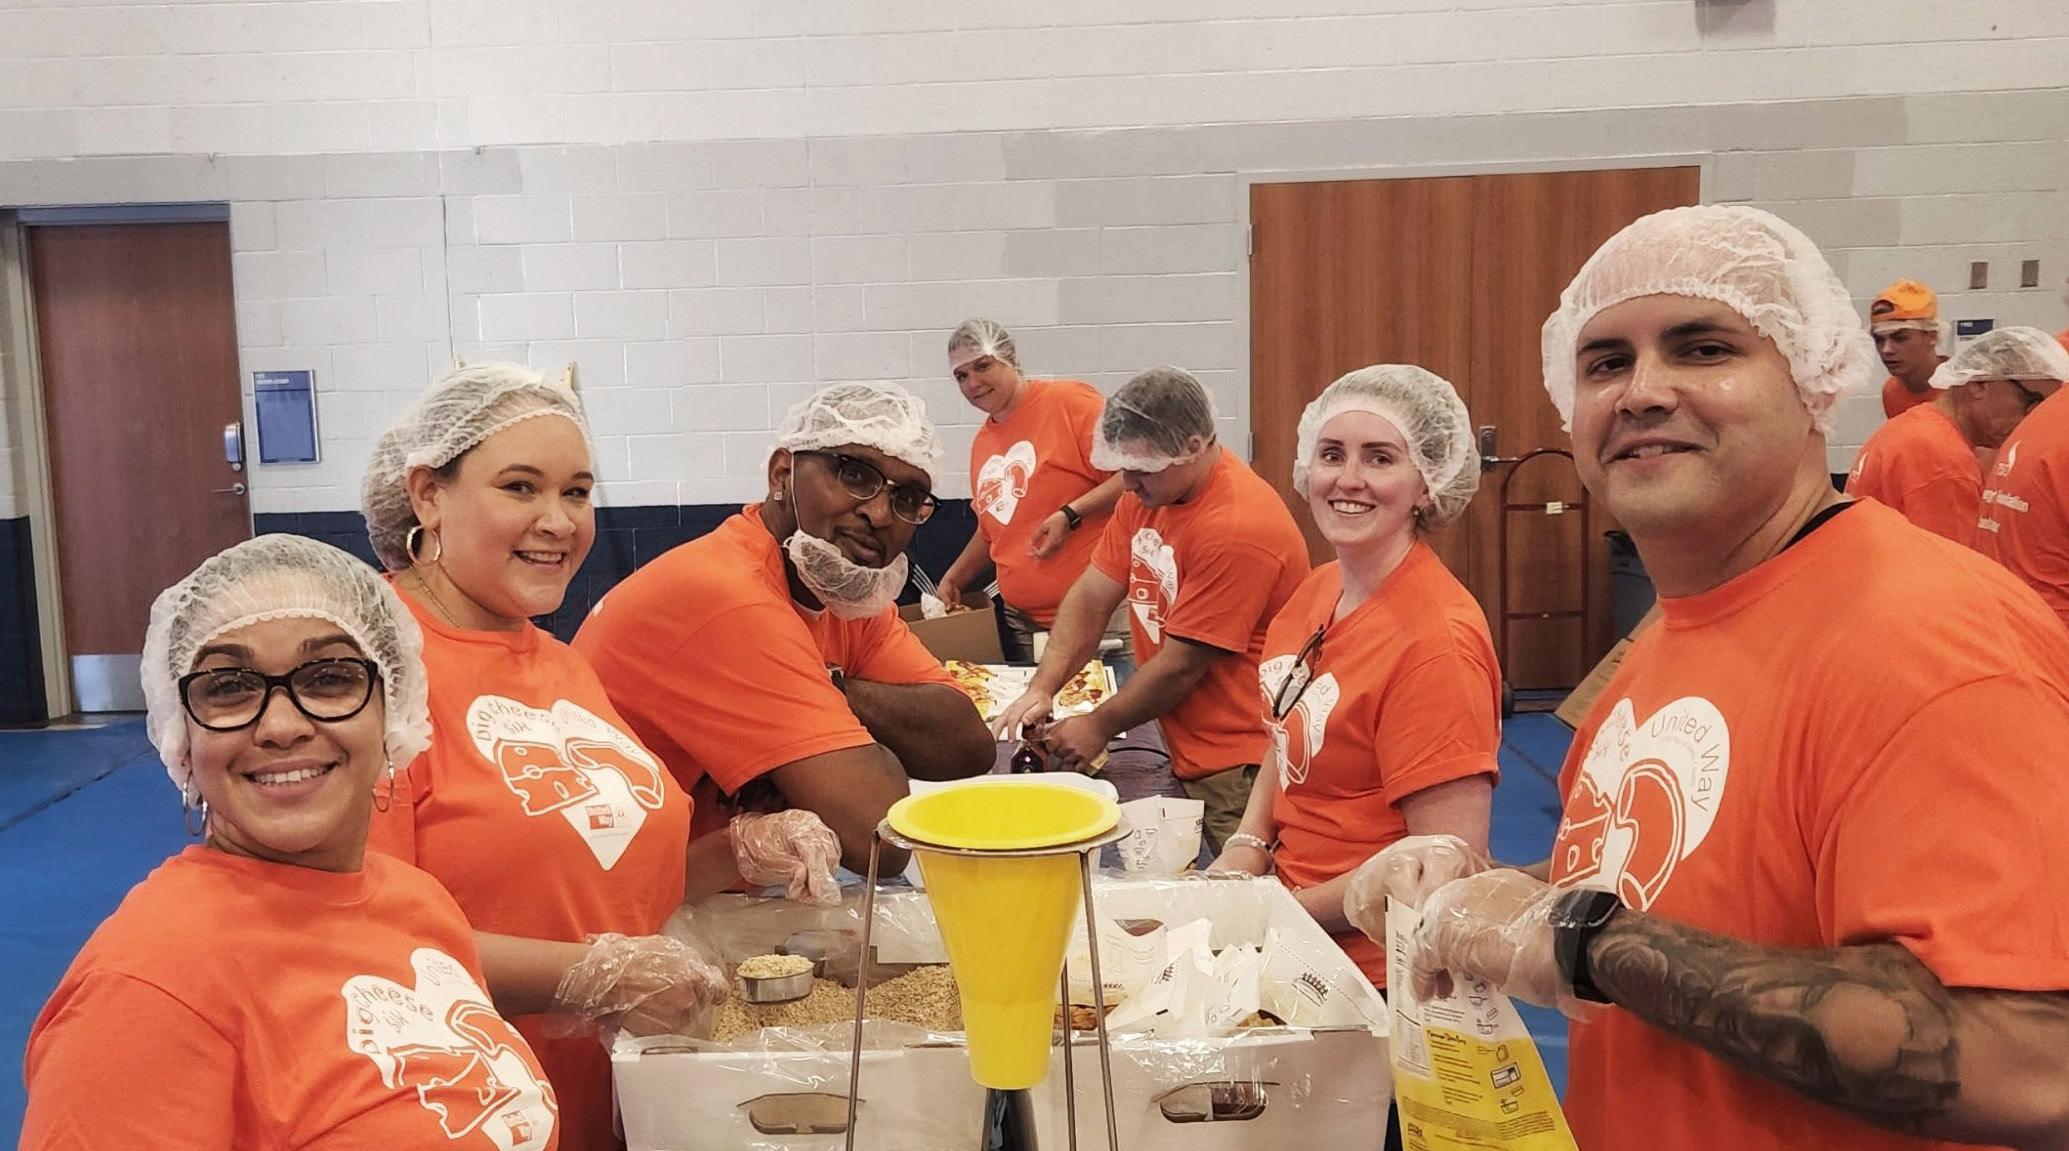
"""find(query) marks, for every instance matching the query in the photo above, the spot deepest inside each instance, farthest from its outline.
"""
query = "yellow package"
(1466, 1074)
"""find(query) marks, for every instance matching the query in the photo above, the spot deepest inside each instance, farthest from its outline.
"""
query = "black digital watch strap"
(1071, 517)
(1576, 917)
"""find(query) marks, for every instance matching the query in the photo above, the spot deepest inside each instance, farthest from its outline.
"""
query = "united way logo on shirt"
(469, 1068)
(1644, 800)
(570, 762)
(1297, 739)
(1152, 581)
(1002, 481)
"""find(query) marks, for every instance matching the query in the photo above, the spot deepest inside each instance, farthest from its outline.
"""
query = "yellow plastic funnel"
(1004, 918)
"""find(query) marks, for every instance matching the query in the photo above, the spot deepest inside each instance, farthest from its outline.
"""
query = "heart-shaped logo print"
(1645, 798)
(570, 761)
(1002, 481)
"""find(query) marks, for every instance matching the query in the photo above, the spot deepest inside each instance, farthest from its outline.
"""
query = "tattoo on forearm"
(1865, 1029)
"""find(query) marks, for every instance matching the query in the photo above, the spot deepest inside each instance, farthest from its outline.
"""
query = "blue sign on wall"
(286, 403)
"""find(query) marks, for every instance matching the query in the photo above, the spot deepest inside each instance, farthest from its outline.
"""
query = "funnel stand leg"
(1070, 1084)
(862, 986)
(1106, 1071)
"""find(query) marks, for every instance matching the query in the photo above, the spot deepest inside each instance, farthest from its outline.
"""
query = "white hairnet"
(2006, 354)
(1146, 425)
(883, 416)
(975, 339)
(443, 424)
(1751, 261)
(282, 577)
(1425, 408)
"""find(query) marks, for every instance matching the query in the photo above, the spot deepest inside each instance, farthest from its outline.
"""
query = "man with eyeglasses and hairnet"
(1923, 462)
(2024, 522)
(765, 663)
(1204, 553)
(1807, 888)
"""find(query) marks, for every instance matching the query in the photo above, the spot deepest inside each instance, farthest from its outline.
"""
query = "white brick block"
(859, 259)
(277, 275)
(258, 323)
(1052, 252)
(522, 219)
(1130, 348)
(841, 308)
(756, 64)
(618, 493)
(723, 408)
(1063, 351)
(671, 167)
(383, 372)
(669, 456)
(660, 66)
(528, 316)
(1018, 204)
(477, 269)
(480, 172)
(951, 255)
(418, 318)
(863, 356)
(902, 307)
(252, 227)
(779, 17)
(786, 212)
(764, 262)
(1938, 169)
(628, 216)
(1154, 200)
(905, 208)
(329, 320)
(746, 456)
(733, 212)
(570, 267)
(668, 264)
(1987, 218)
(760, 164)
(672, 363)
(622, 315)
(375, 174)
(374, 271)
(765, 359)
(626, 410)
(1178, 248)
(401, 126)
(1025, 301)
(598, 363)
(787, 310)
(1142, 299)
(276, 177)
(715, 312)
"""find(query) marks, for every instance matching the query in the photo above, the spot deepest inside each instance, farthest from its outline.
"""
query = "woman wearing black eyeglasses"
(1379, 678)
(276, 985)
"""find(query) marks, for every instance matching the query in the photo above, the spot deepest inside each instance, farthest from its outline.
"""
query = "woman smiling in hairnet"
(1380, 686)
(276, 985)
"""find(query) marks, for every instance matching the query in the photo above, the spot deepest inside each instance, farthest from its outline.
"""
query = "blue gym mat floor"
(86, 812)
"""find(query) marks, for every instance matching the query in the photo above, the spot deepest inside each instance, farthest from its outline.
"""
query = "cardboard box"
(1284, 1087)
(971, 636)
(1574, 708)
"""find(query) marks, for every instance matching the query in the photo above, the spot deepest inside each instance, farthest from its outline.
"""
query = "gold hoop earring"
(415, 539)
(384, 802)
(196, 829)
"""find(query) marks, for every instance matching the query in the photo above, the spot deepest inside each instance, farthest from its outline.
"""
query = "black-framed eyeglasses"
(863, 480)
(1298, 676)
(325, 690)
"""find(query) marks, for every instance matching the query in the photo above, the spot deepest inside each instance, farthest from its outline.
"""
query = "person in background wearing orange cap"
(2024, 523)
(1040, 504)
(1923, 462)
(1905, 320)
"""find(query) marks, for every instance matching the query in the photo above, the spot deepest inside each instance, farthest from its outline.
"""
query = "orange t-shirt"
(2062, 338)
(1898, 399)
(542, 816)
(1920, 464)
(1214, 570)
(2024, 523)
(1021, 471)
(232, 1002)
(724, 675)
(1803, 758)
(1404, 695)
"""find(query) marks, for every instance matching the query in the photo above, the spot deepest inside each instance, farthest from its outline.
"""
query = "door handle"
(1489, 460)
(236, 489)
(233, 447)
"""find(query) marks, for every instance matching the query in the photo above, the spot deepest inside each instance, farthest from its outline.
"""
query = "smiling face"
(1686, 418)
(816, 502)
(514, 521)
(1363, 486)
(288, 789)
(990, 384)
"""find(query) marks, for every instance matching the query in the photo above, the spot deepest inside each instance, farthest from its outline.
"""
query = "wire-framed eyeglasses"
(1299, 676)
(325, 690)
(863, 480)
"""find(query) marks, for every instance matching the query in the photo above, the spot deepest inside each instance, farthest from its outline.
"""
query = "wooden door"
(1456, 274)
(137, 341)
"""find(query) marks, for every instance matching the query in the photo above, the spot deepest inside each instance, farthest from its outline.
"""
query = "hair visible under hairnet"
(1425, 408)
(1754, 263)
(878, 415)
(282, 577)
(976, 338)
(1147, 425)
(443, 424)
(2006, 354)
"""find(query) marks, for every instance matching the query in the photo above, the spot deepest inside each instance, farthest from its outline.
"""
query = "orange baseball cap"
(1905, 304)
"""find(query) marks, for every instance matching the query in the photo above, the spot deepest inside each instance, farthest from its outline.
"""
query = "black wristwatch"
(1576, 917)
(1071, 517)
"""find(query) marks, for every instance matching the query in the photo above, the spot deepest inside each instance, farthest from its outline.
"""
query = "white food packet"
(1166, 839)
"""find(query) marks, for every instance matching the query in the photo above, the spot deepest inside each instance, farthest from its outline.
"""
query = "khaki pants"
(1226, 794)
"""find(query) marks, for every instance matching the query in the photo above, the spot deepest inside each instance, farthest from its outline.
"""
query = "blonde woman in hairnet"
(765, 663)
(560, 834)
(276, 985)
(1807, 887)
(1923, 462)
(1381, 692)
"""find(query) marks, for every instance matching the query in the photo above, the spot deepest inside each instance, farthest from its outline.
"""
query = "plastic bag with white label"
(1166, 839)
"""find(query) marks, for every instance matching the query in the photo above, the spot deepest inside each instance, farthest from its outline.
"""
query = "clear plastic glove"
(1496, 926)
(1408, 870)
(643, 984)
(1030, 710)
(792, 848)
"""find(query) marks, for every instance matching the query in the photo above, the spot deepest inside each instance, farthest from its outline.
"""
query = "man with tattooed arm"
(1807, 892)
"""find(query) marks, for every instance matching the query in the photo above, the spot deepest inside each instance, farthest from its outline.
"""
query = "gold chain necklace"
(424, 586)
